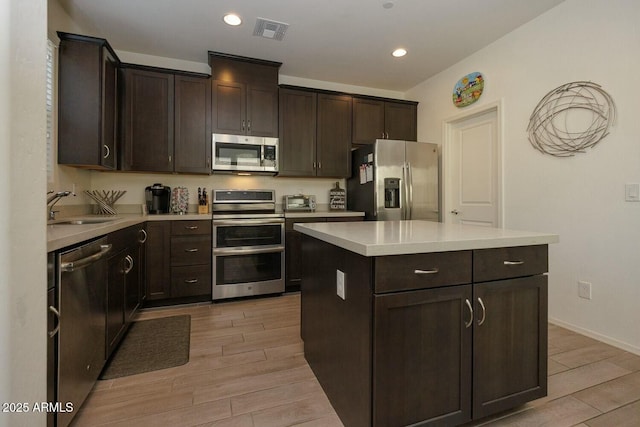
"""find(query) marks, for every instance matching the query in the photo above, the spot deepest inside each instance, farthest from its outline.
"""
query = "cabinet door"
(115, 299)
(297, 133)
(148, 121)
(192, 125)
(368, 120)
(422, 375)
(262, 111)
(510, 344)
(333, 146)
(228, 107)
(109, 110)
(400, 121)
(157, 260)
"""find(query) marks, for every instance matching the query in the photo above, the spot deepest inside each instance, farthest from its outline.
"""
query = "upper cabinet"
(315, 133)
(166, 121)
(244, 95)
(87, 102)
(374, 118)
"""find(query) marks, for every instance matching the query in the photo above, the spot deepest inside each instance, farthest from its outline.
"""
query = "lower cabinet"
(124, 275)
(293, 249)
(453, 336)
(178, 261)
(424, 373)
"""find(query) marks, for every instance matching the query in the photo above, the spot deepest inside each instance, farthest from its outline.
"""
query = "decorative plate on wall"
(468, 89)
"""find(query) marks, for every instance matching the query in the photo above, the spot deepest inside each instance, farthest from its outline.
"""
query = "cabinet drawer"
(191, 280)
(190, 250)
(186, 228)
(421, 271)
(506, 263)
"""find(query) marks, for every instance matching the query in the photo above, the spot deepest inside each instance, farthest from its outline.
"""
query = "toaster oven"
(299, 202)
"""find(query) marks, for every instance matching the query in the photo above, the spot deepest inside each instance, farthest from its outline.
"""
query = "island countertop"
(380, 238)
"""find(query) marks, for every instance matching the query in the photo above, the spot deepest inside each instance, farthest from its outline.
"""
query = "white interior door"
(474, 165)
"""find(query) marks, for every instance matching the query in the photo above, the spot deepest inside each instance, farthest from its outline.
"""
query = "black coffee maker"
(158, 199)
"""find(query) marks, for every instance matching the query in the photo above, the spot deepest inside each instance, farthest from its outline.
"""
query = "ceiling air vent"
(270, 29)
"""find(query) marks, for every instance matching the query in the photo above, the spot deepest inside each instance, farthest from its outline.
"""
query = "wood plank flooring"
(247, 369)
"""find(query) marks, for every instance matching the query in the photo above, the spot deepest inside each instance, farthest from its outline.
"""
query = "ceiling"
(342, 41)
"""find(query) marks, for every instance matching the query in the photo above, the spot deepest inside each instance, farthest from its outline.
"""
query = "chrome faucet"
(53, 199)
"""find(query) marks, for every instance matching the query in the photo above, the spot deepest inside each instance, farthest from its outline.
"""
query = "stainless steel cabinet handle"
(107, 151)
(430, 271)
(249, 126)
(513, 262)
(191, 250)
(143, 237)
(484, 312)
(190, 227)
(75, 265)
(191, 281)
(470, 322)
(53, 310)
(129, 260)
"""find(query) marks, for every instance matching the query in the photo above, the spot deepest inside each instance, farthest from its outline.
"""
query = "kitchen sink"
(83, 221)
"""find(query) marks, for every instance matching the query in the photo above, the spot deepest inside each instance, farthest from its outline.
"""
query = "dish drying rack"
(105, 200)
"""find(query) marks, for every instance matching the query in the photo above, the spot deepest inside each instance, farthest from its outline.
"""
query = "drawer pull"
(191, 281)
(470, 322)
(191, 250)
(430, 271)
(513, 262)
(484, 312)
(191, 227)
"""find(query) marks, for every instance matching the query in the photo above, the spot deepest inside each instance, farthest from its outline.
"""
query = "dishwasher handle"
(83, 262)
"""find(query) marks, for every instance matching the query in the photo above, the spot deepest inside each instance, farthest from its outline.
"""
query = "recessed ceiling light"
(387, 4)
(232, 19)
(399, 52)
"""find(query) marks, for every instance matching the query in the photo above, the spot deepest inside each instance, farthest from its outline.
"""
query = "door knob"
(455, 212)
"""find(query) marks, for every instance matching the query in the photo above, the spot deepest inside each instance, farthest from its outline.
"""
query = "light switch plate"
(632, 192)
(340, 288)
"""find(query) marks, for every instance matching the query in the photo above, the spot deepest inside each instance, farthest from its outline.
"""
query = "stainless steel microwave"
(240, 153)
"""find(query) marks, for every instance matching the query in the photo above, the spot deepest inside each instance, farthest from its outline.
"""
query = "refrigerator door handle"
(403, 195)
(410, 191)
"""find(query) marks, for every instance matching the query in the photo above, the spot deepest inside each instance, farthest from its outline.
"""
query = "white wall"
(580, 198)
(23, 336)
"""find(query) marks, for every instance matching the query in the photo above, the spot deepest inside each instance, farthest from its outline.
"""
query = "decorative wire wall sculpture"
(548, 125)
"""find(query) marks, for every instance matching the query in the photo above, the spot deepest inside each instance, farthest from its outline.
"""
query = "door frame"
(447, 156)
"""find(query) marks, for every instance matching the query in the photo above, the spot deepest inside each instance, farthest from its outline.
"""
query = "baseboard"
(605, 339)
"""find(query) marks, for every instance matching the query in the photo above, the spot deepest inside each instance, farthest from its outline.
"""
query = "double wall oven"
(248, 244)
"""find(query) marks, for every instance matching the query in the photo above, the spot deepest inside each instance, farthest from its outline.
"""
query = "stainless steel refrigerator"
(395, 180)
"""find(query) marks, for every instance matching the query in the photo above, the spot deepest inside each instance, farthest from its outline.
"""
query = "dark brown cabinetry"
(157, 260)
(374, 118)
(293, 248)
(315, 133)
(178, 261)
(455, 336)
(244, 95)
(191, 259)
(87, 102)
(165, 122)
(124, 275)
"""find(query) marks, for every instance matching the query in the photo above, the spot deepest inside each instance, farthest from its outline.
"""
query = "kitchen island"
(423, 323)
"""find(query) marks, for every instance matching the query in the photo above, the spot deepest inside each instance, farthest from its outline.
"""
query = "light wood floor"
(246, 369)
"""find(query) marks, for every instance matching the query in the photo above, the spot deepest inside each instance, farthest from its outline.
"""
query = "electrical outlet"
(340, 288)
(584, 289)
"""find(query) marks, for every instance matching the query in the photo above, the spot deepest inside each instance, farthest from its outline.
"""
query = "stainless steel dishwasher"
(81, 303)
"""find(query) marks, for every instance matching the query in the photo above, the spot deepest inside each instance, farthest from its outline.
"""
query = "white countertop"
(62, 235)
(321, 213)
(379, 238)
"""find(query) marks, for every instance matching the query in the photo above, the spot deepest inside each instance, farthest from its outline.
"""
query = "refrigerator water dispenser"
(392, 193)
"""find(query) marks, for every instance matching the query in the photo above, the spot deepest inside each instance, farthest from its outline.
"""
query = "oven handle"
(247, 251)
(249, 221)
